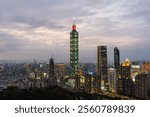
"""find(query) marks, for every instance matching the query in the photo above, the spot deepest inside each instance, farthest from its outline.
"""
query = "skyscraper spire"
(74, 24)
(74, 20)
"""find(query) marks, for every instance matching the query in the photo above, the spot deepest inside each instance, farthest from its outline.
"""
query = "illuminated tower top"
(126, 63)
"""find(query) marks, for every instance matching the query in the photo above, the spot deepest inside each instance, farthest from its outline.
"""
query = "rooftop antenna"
(74, 20)
(74, 26)
(52, 55)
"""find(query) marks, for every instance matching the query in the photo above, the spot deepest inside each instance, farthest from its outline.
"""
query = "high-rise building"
(117, 67)
(146, 67)
(74, 50)
(51, 67)
(102, 72)
(126, 69)
(52, 79)
(112, 79)
(117, 60)
(60, 70)
(126, 83)
(142, 86)
(74, 56)
(135, 70)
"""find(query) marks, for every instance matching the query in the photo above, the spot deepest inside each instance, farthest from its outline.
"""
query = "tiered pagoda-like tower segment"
(74, 50)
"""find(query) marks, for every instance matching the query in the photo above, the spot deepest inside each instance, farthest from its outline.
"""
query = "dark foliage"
(48, 93)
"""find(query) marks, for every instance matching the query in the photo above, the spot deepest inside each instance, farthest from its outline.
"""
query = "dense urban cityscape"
(126, 79)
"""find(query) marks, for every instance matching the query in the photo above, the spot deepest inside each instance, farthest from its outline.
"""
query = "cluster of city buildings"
(126, 78)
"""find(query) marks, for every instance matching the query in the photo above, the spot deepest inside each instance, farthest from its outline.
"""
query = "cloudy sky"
(40, 28)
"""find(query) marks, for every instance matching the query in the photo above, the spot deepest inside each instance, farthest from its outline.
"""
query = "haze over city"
(38, 29)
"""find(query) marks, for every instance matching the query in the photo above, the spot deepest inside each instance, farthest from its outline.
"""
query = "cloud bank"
(39, 28)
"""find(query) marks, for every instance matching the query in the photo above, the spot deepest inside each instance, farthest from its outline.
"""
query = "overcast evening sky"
(40, 28)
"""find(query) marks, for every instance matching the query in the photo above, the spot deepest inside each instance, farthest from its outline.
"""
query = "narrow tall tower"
(51, 67)
(117, 61)
(52, 79)
(74, 50)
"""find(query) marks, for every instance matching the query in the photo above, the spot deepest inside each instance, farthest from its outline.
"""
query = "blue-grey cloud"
(41, 27)
(9, 43)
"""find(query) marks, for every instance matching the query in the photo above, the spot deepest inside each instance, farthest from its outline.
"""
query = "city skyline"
(38, 29)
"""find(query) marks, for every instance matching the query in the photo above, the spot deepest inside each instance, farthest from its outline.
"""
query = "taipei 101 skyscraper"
(74, 50)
